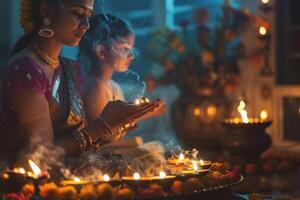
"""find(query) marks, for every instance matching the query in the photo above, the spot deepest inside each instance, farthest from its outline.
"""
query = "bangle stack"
(107, 132)
(84, 139)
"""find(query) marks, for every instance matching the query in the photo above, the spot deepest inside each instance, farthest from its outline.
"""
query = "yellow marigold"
(88, 192)
(49, 191)
(67, 193)
(28, 190)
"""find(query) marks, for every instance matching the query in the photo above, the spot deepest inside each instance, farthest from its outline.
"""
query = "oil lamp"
(244, 133)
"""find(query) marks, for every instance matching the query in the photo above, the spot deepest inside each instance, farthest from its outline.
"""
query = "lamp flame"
(36, 170)
(201, 162)
(76, 180)
(106, 178)
(195, 166)
(263, 114)
(162, 174)
(136, 176)
(181, 156)
(243, 112)
(262, 30)
(137, 102)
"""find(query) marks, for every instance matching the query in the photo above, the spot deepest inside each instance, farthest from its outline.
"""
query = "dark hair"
(103, 29)
(36, 20)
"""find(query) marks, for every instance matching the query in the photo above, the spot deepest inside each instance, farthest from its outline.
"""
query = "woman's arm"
(33, 114)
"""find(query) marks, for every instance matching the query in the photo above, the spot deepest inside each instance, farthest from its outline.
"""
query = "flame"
(19, 170)
(76, 180)
(181, 156)
(136, 176)
(243, 112)
(265, 1)
(162, 174)
(106, 178)
(211, 110)
(241, 106)
(201, 162)
(137, 102)
(244, 116)
(195, 166)
(263, 114)
(197, 112)
(36, 170)
(262, 30)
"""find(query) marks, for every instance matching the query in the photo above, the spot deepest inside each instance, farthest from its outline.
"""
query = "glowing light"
(195, 166)
(263, 114)
(76, 180)
(22, 171)
(262, 30)
(244, 116)
(147, 100)
(137, 102)
(197, 112)
(265, 1)
(36, 170)
(106, 178)
(5, 176)
(241, 106)
(211, 110)
(136, 176)
(201, 162)
(162, 174)
(181, 156)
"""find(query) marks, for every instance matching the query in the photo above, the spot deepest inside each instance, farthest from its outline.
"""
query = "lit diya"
(75, 181)
(245, 133)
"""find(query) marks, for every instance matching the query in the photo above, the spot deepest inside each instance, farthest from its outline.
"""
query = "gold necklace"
(52, 62)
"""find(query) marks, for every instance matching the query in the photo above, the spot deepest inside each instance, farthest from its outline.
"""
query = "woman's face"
(71, 22)
(121, 53)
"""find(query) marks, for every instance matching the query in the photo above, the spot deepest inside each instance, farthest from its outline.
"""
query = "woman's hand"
(117, 114)
(158, 111)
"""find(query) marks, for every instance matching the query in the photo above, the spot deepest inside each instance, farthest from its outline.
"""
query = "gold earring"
(45, 31)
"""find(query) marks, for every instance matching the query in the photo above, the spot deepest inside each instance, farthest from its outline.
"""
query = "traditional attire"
(62, 94)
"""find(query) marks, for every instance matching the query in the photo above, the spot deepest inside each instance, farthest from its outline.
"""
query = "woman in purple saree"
(40, 102)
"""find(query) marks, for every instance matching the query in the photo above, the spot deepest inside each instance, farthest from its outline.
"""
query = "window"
(288, 41)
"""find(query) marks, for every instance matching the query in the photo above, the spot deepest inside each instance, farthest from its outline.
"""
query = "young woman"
(40, 102)
(107, 47)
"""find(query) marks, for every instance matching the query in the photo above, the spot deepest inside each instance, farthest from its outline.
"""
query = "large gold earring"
(46, 32)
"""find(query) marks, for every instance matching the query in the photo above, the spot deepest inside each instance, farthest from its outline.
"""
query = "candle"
(136, 176)
(106, 178)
